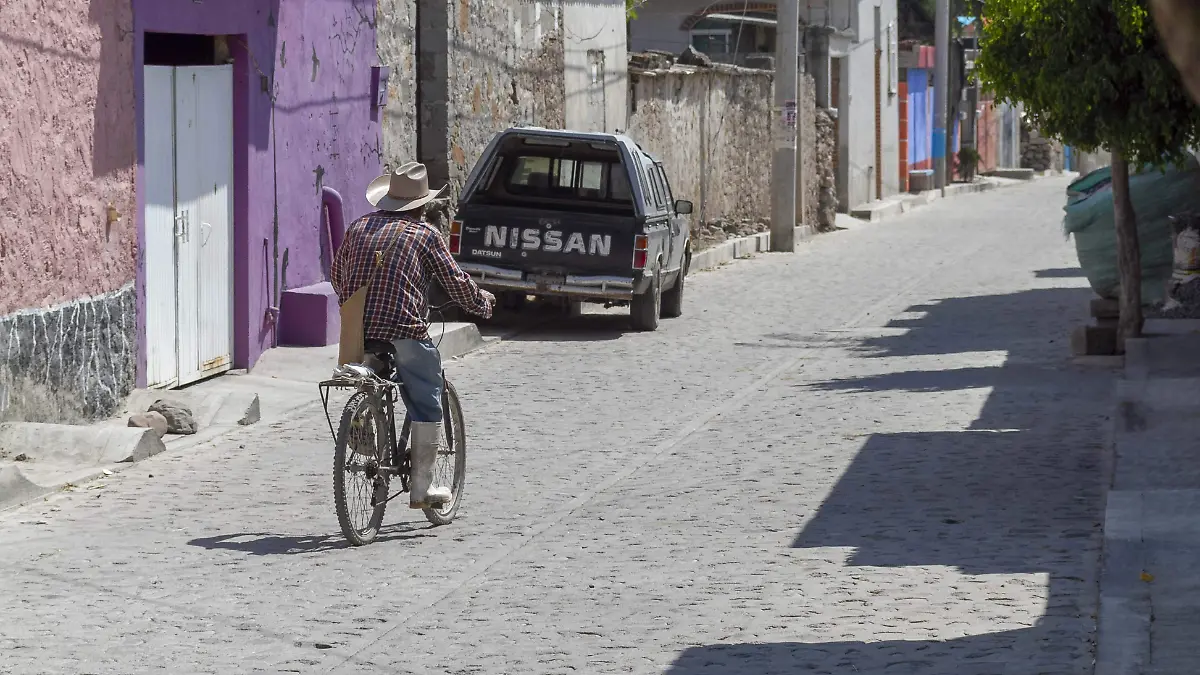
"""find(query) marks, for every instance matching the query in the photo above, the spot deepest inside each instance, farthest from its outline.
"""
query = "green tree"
(1093, 74)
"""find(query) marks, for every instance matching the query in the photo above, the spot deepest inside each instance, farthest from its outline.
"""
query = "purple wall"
(319, 55)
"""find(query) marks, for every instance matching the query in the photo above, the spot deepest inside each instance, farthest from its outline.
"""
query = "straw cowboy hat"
(404, 189)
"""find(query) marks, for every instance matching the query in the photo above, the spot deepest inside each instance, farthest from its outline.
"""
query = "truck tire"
(645, 308)
(672, 301)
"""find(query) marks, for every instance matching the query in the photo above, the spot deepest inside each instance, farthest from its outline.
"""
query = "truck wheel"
(672, 302)
(645, 308)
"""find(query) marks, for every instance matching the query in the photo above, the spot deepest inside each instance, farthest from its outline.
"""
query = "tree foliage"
(1091, 73)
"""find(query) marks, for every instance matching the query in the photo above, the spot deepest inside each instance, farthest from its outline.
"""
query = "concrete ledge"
(209, 407)
(1016, 174)
(309, 316)
(79, 446)
(1169, 355)
(876, 211)
(730, 250)
(16, 489)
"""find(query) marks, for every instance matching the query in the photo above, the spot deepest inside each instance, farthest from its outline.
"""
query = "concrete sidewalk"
(903, 203)
(1150, 586)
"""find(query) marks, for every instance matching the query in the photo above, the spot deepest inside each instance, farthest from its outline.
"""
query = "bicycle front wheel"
(451, 466)
(360, 488)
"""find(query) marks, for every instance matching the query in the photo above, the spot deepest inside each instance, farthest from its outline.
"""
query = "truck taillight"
(455, 237)
(640, 244)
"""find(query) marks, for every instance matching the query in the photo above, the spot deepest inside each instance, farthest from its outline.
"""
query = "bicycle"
(367, 432)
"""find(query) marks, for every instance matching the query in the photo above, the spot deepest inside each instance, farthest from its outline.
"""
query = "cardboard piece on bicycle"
(352, 342)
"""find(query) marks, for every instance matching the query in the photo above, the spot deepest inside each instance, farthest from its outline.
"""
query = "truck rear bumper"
(499, 278)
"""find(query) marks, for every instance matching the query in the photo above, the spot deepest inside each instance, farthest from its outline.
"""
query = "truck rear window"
(559, 178)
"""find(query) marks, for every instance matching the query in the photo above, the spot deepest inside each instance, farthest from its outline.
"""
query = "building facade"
(167, 185)
(180, 172)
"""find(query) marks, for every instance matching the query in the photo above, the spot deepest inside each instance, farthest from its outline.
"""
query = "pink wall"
(69, 150)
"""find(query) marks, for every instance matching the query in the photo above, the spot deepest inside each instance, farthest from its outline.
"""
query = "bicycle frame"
(388, 389)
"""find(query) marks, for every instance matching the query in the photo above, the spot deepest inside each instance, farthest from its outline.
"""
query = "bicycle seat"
(380, 348)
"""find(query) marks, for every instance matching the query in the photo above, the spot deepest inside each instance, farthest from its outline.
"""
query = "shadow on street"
(259, 543)
(1061, 273)
(1018, 493)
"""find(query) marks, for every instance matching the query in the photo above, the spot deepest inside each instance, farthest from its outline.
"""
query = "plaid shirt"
(397, 302)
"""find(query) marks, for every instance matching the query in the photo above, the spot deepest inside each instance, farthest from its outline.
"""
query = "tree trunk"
(1129, 254)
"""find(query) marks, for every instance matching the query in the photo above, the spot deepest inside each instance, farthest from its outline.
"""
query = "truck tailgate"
(547, 241)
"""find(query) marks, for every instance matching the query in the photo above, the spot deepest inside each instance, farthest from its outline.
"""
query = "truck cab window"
(566, 179)
(666, 186)
(620, 185)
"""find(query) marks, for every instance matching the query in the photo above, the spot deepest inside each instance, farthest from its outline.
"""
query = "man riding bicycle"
(399, 254)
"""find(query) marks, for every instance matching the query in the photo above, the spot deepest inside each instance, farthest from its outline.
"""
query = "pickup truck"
(583, 217)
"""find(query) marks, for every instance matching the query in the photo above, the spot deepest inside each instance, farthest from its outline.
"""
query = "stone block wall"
(712, 129)
(70, 363)
(1039, 152)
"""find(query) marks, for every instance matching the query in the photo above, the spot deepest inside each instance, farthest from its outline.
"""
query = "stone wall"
(809, 158)
(825, 202)
(711, 126)
(1039, 152)
(484, 66)
(396, 47)
(70, 363)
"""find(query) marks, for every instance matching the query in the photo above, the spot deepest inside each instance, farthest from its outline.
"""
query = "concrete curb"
(1123, 623)
(742, 247)
(1123, 617)
(68, 454)
(730, 250)
(79, 445)
(459, 339)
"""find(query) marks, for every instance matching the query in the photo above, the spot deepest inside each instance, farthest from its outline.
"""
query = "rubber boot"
(426, 440)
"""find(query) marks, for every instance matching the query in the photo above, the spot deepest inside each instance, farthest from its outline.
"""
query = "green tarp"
(1156, 196)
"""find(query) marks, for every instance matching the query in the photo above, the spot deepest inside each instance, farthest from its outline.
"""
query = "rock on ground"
(179, 418)
(150, 420)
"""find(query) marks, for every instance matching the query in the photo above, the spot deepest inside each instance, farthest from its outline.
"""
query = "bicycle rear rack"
(371, 385)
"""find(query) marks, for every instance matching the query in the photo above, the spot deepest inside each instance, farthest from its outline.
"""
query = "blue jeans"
(419, 367)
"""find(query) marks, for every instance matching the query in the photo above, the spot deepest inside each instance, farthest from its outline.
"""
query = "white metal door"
(212, 226)
(195, 159)
(158, 178)
(187, 260)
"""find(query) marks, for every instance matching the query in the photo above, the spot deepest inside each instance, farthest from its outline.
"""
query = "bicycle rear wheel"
(451, 465)
(360, 489)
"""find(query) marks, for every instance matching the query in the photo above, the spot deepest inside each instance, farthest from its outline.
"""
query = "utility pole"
(783, 166)
(941, 83)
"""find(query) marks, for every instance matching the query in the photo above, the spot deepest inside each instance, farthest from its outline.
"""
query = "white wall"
(856, 106)
(595, 25)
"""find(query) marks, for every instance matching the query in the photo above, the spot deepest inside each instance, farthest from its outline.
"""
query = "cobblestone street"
(871, 457)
